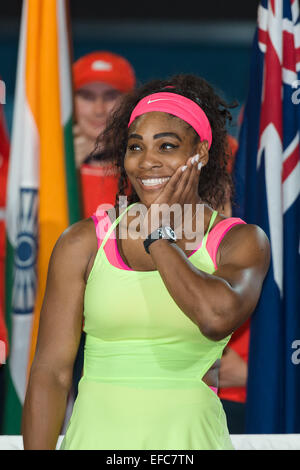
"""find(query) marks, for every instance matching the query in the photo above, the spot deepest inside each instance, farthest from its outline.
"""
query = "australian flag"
(267, 175)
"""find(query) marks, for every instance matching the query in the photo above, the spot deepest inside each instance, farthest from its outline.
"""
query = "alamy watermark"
(296, 354)
(187, 221)
(296, 94)
(2, 92)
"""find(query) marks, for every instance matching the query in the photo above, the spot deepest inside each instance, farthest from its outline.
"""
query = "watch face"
(170, 233)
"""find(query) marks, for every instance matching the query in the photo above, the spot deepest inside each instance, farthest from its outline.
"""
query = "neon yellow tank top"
(144, 362)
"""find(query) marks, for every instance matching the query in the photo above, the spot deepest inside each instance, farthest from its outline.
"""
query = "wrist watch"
(161, 233)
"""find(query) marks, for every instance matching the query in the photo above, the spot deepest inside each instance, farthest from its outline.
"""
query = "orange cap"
(104, 67)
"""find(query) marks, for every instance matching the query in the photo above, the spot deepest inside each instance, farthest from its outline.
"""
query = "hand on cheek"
(188, 185)
(180, 189)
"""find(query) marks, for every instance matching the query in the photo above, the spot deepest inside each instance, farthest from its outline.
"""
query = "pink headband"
(179, 106)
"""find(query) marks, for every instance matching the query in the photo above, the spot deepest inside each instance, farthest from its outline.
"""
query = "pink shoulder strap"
(217, 234)
(102, 224)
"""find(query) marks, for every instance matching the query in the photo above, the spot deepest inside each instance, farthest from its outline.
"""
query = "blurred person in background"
(100, 79)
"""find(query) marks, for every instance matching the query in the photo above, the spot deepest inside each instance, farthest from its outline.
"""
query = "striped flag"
(42, 196)
(268, 191)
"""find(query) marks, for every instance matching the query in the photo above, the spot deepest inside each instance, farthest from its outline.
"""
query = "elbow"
(214, 332)
(219, 323)
(64, 379)
(48, 375)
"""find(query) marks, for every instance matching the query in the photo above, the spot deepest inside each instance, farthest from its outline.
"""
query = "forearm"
(44, 411)
(207, 300)
(233, 371)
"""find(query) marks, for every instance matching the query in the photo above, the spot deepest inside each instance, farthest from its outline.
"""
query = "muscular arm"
(58, 339)
(219, 303)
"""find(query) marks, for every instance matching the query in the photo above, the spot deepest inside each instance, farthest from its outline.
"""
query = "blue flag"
(267, 178)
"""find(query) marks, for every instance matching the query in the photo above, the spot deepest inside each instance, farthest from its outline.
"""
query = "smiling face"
(157, 145)
(93, 104)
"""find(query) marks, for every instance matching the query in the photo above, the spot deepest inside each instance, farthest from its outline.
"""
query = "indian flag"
(42, 195)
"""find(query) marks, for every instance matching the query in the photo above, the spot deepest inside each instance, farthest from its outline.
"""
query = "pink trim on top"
(214, 389)
(103, 223)
(217, 234)
(114, 254)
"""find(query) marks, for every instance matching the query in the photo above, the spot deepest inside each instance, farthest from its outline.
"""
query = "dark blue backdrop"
(225, 66)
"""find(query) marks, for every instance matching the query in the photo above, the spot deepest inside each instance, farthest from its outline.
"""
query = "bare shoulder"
(82, 232)
(77, 245)
(245, 244)
(245, 234)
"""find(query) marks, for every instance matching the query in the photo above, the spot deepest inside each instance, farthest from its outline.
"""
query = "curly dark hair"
(215, 183)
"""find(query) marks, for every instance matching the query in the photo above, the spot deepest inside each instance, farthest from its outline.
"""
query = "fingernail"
(183, 167)
(195, 158)
(200, 165)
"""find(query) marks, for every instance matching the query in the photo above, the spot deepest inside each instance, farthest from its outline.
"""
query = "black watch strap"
(162, 233)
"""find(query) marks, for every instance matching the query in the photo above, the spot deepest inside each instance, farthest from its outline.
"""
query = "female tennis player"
(158, 296)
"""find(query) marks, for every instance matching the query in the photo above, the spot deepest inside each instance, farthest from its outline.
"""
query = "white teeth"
(155, 181)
